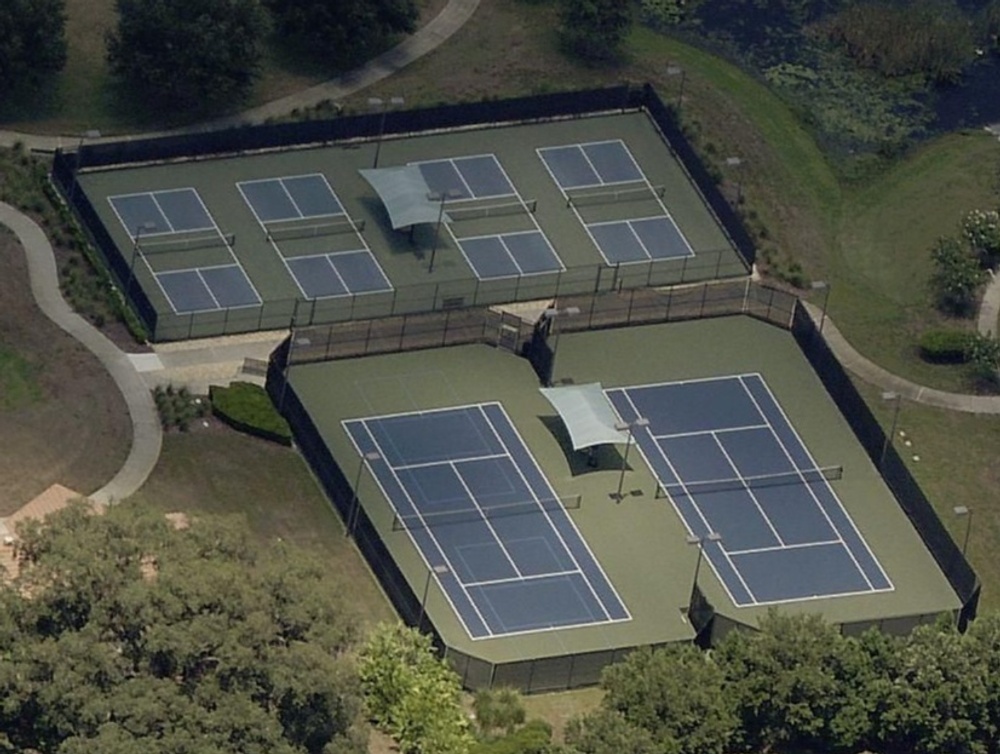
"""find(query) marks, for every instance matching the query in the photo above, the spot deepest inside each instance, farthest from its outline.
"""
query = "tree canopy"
(32, 41)
(192, 55)
(595, 30)
(124, 635)
(343, 31)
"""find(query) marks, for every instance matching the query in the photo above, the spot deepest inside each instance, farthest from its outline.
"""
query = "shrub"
(982, 230)
(945, 346)
(957, 276)
(248, 408)
(983, 352)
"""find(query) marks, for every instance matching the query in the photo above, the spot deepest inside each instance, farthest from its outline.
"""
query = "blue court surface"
(640, 240)
(716, 447)
(475, 177)
(298, 197)
(341, 273)
(599, 163)
(157, 213)
(203, 289)
(510, 254)
(489, 526)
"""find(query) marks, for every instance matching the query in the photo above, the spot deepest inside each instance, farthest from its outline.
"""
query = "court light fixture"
(352, 513)
(383, 106)
(440, 570)
(822, 285)
(675, 70)
(551, 317)
(139, 230)
(897, 399)
(712, 536)
(442, 198)
(629, 427)
(963, 511)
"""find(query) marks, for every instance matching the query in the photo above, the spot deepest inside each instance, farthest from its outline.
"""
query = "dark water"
(972, 103)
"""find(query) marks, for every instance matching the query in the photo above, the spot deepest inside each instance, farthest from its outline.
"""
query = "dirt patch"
(78, 432)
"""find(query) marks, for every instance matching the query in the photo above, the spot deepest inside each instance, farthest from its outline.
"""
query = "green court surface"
(280, 271)
(640, 542)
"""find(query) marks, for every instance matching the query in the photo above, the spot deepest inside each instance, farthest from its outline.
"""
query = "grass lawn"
(222, 472)
(18, 384)
(957, 466)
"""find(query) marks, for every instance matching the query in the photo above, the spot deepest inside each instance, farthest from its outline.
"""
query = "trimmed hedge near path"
(247, 408)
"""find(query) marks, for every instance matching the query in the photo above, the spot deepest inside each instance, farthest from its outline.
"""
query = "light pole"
(552, 316)
(963, 511)
(135, 251)
(440, 570)
(822, 285)
(630, 427)
(441, 197)
(675, 70)
(890, 395)
(736, 162)
(92, 134)
(352, 514)
(378, 102)
(712, 536)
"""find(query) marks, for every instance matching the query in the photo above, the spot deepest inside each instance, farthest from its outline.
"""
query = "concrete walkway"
(989, 307)
(876, 375)
(146, 432)
(427, 38)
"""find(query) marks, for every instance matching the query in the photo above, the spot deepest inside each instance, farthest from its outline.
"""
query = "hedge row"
(248, 408)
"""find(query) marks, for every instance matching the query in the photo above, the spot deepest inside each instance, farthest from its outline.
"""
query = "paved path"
(146, 433)
(989, 307)
(876, 375)
(451, 18)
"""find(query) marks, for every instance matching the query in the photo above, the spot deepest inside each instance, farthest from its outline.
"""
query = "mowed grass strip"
(222, 472)
(956, 467)
(18, 381)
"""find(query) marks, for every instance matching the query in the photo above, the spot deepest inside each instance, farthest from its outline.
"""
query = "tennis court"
(166, 228)
(470, 187)
(321, 246)
(605, 173)
(744, 483)
(486, 521)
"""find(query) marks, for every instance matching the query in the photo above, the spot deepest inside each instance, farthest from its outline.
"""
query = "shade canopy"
(587, 414)
(406, 195)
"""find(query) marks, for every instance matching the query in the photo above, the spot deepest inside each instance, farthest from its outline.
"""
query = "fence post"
(368, 335)
(704, 297)
(718, 263)
(684, 267)
(746, 296)
(631, 302)
(447, 324)
(670, 300)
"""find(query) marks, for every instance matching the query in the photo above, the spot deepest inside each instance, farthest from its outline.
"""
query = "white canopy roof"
(587, 415)
(404, 192)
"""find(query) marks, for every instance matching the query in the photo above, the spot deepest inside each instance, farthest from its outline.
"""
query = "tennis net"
(437, 519)
(527, 206)
(187, 243)
(589, 198)
(341, 225)
(803, 477)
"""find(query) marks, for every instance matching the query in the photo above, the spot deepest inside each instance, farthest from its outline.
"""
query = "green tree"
(957, 276)
(606, 731)
(123, 634)
(191, 55)
(534, 737)
(411, 694)
(343, 31)
(784, 681)
(32, 41)
(498, 710)
(595, 30)
(676, 694)
(939, 700)
(981, 229)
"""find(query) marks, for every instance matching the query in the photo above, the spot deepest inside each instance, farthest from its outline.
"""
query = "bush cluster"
(248, 408)
(178, 407)
(945, 346)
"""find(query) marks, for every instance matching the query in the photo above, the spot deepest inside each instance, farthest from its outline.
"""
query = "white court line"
(482, 515)
(445, 559)
(491, 457)
(748, 490)
(128, 230)
(303, 215)
(708, 527)
(797, 546)
(720, 431)
(830, 489)
(522, 579)
(548, 518)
